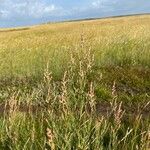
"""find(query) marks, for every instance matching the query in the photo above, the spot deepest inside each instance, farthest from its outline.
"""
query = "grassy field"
(76, 85)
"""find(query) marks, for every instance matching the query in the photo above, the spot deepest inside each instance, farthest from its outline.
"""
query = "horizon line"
(81, 19)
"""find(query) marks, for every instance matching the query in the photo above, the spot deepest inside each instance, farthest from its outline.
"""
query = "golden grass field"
(81, 85)
(25, 51)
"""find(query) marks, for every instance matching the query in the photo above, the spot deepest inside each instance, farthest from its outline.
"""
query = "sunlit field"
(81, 85)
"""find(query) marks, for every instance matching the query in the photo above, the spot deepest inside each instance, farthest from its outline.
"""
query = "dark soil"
(102, 108)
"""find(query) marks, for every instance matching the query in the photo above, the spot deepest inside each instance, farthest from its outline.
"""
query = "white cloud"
(97, 3)
(104, 4)
(27, 8)
(4, 13)
(40, 9)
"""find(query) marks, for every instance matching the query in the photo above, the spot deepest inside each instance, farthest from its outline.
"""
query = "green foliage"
(77, 87)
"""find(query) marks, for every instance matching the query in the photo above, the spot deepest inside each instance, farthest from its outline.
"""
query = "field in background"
(116, 42)
(76, 85)
(121, 47)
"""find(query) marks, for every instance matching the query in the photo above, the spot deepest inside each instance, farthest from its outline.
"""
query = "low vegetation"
(76, 85)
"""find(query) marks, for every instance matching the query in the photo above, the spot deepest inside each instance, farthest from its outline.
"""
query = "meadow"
(81, 85)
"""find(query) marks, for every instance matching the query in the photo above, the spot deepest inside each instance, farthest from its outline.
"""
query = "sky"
(29, 12)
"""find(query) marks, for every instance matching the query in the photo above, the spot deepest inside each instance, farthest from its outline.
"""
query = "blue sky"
(29, 12)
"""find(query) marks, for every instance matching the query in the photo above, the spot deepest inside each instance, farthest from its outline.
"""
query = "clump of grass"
(67, 117)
